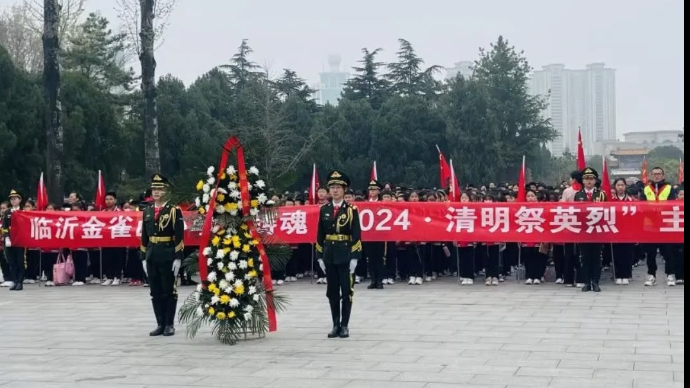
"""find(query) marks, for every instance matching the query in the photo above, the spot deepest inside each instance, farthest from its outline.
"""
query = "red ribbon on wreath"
(230, 145)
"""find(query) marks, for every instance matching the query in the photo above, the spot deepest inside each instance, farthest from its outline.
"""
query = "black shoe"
(344, 332)
(379, 286)
(18, 287)
(159, 331)
(14, 287)
(335, 333)
(168, 331)
(372, 286)
(596, 288)
(587, 288)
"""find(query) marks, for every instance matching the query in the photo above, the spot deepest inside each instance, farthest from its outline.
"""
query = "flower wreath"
(232, 298)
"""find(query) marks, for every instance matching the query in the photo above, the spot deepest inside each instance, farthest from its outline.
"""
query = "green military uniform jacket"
(162, 239)
(6, 224)
(339, 235)
(597, 196)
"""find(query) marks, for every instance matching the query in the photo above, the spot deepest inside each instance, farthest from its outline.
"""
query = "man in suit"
(338, 248)
(590, 253)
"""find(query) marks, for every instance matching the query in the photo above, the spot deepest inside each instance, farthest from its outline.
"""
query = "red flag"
(313, 187)
(581, 162)
(374, 173)
(681, 172)
(444, 169)
(522, 189)
(100, 193)
(605, 180)
(454, 189)
(644, 171)
(41, 195)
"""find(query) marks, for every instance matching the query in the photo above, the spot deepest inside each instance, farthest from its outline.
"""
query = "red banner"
(473, 222)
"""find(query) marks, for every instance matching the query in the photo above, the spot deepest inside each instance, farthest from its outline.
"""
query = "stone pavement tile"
(659, 367)
(679, 376)
(661, 351)
(569, 382)
(555, 372)
(228, 380)
(431, 352)
(518, 381)
(655, 384)
(442, 385)
(482, 370)
(637, 358)
(383, 384)
(524, 363)
(600, 350)
(625, 376)
(368, 375)
(405, 367)
(563, 356)
(32, 384)
(342, 365)
(678, 359)
(35, 375)
(302, 383)
(448, 378)
(537, 348)
(287, 373)
(453, 361)
(619, 365)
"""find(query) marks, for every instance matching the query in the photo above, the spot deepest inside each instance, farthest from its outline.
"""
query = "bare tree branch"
(128, 11)
(69, 15)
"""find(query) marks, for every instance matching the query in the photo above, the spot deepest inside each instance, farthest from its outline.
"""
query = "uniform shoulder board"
(354, 207)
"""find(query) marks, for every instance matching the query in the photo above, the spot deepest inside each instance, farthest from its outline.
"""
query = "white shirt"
(337, 205)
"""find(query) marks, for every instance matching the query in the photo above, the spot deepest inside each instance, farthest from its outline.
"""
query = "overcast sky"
(641, 39)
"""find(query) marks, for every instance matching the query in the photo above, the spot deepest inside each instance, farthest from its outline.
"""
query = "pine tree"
(367, 83)
(407, 76)
(241, 69)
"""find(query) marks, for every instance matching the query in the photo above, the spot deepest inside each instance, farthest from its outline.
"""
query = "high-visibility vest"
(661, 195)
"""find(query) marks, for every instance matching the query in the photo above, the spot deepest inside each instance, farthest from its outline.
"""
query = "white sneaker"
(428, 279)
(680, 282)
(626, 282)
(358, 280)
(419, 281)
(412, 281)
(116, 282)
(391, 282)
(619, 282)
(96, 281)
(470, 282)
(44, 277)
(502, 279)
(434, 276)
(529, 282)
(651, 281)
(580, 285)
(29, 281)
(537, 282)
(300, 276)
(671, 281)
(325, 281)
(560, 281)
(280, 282)
(494, 281)
(487, 282)
(49, 284)
(318, 281)
(463, 282)
(76, 284)
(293, 279)
(7, 284)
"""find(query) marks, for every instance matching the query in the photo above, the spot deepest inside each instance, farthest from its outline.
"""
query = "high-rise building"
(331, 84)
(578, 98)
(463, 67)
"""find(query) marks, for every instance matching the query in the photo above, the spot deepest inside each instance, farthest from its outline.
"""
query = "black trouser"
(134, 269)
(16, 260)
(492, 262)
(33, 264)
(413, 261)
(48, 260)
(559, 260)
(622, 260)
(391, 261)
(466, 255)
(400, 254)
(533, 263)
(591, 262)
(292, 266)
(113, 262)
(679, 250)
(669, 254)
(606, 255)
(340, 291)
(571, 265)
(510, 257)
(376, 268)
(5, 267)
(81, 264)
(163, 285)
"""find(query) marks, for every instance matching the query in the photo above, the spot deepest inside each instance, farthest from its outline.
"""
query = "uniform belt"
(338, 237)
(160, 240)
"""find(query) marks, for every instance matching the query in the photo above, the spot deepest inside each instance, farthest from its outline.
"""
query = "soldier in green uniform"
(15, 256)
(162, 249)
(590, 253)
(338, 248)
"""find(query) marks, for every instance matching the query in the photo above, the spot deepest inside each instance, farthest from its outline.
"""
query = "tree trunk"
(53, 107)
(148, 87)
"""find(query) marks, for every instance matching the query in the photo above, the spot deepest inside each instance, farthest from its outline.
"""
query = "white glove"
(8, 242)
(322, 265)
(176, 266)
(353, 266)
(146, 270)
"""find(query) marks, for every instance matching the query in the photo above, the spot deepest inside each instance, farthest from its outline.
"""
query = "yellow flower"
(250, 263)
(255, 242)
(220, 197)
(233, 177)
(252, 274)
(212, 287)
(220, 232)
(246, 248)
(211, 311)
(237, 244)
(231, 315)
(235, 238)
(239, 290)
(248, 235)
(230, 206)
(202, 211)
(223, 176)
(227, 242)
(216, 291)
(215, 241)
(220, 316)
(224, 299)
(255, 203)
(244, 227)
(226, 250)
(199, 185)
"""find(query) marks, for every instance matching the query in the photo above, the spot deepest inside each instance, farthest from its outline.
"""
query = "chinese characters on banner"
(537, 223)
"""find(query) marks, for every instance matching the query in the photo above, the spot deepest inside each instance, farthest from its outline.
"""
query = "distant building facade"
(464, 67)
(332, 82)
(628, 155)
(578, 98)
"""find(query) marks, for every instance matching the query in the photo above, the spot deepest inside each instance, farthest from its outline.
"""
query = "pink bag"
(60, 271)
(69, 266)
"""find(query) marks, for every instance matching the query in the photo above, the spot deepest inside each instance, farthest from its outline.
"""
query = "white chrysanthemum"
(249, 186)
(211, 180)
(206, 188)
(208, 251)
(205, 198)
(232, 186)
(233, 212)
(199, 311)
(238, 283)
(247, 317)
(253, 170)
(252, 290)
(209, 261)
(260, 184)
(210, 170)
(270, 202)
(249, 308)
(215, 300)
(256, 298)
(228, 290)
(197, 202)
(235, 194)
(232, 266)
(254, 212)
(212, 277)
(197, 296)
(234, 302)
(222, 190)
(247, 277)
(262, 198)
(220, 254)
(220, 209)
(199, 287)
(223, 284)
(243, 264)
(215, 229)
(220, 266)
(234, 255)
(231, 170)
(230, 276)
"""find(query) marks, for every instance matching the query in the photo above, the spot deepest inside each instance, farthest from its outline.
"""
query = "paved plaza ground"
(437, 335)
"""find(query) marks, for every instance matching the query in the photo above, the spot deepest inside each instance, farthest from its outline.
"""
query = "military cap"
(15, 194)
(589, 172)
(338, 178)
(374, 185)
(158, 181)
